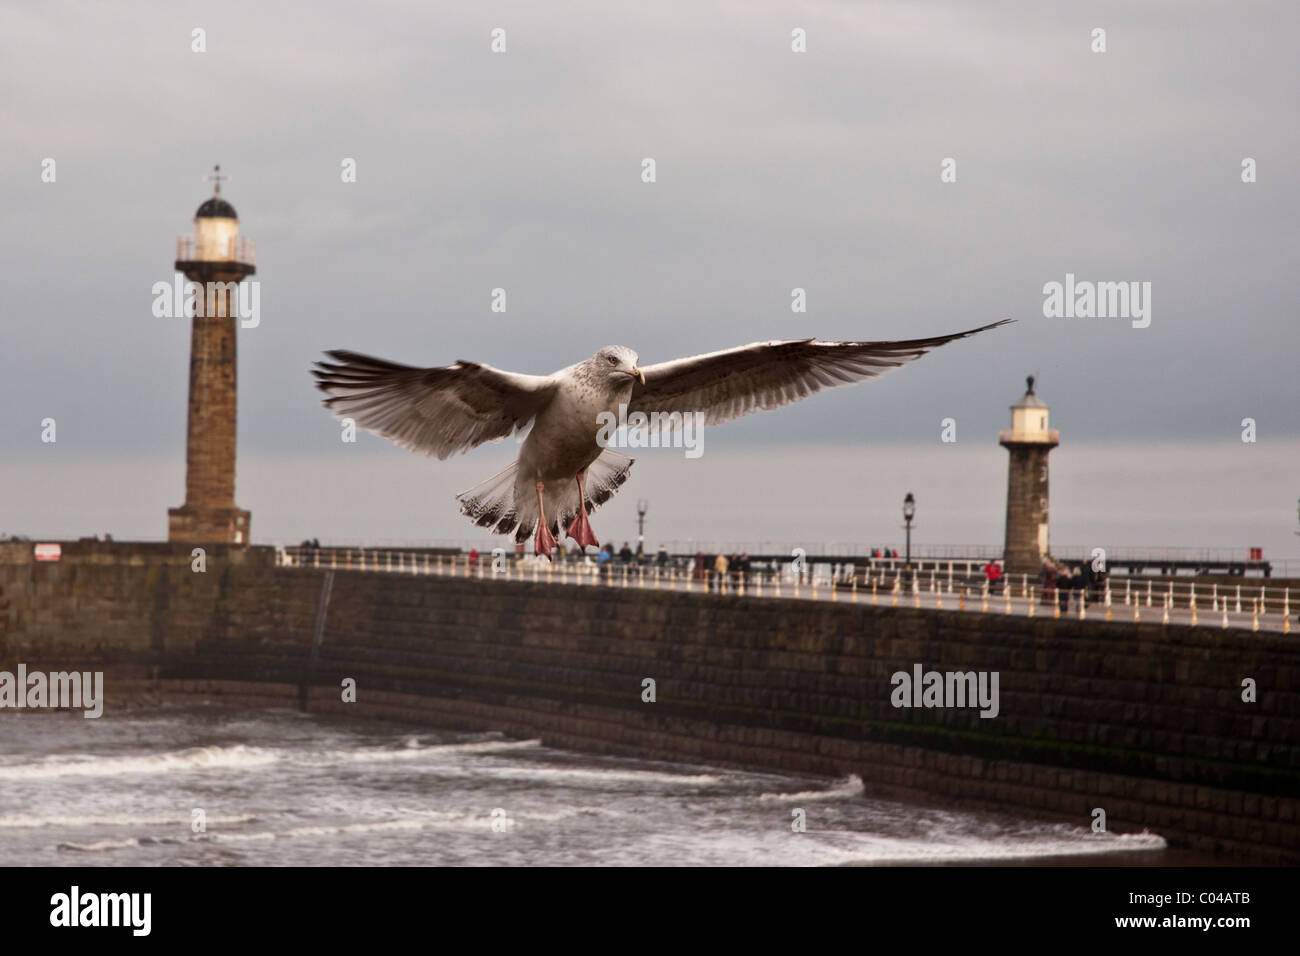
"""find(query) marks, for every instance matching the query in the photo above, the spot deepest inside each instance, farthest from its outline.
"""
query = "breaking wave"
(193, 758)
(845, 789)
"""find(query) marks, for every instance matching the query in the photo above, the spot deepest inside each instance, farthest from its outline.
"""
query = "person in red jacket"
(993, 571)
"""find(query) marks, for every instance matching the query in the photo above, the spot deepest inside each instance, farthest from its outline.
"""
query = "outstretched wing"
(436, 411)
(729, 384)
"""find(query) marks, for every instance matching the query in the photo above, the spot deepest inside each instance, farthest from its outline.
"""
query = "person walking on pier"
(993, 571)
(1049, 581)
(720, 572)
(1063, 584)
(1099, 585)
(1079, 586)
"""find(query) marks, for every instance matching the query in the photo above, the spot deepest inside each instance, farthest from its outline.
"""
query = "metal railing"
(983, 552)
(1050, 436)
(219, 249)
(958, 586)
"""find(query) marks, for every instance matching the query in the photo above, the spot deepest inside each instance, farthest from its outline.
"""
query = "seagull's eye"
(613, 360)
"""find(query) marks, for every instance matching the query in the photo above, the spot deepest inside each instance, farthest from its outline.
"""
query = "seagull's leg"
(580, 530)
(544, 541)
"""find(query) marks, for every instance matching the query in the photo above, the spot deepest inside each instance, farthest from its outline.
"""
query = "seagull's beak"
(637, 374)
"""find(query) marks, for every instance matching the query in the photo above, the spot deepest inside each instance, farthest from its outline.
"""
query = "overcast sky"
(775, 170)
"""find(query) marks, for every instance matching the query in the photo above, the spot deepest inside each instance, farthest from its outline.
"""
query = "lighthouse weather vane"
(216, 179)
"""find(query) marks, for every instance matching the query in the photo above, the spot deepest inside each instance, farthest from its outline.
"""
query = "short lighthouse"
(217, 259)
(1029, 440)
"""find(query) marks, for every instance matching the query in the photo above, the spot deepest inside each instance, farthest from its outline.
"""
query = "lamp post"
(642, 506)
(909, 512)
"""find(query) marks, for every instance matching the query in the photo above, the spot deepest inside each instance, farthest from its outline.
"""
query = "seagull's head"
(616, 364)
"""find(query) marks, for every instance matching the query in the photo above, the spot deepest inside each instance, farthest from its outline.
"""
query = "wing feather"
(435, 411)
(765, 375)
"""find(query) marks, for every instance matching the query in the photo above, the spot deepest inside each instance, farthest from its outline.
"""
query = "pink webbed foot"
(544, 542)
(580, 530)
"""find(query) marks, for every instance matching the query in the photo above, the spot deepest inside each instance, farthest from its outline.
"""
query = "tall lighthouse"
(217, 259)
(1029, 441)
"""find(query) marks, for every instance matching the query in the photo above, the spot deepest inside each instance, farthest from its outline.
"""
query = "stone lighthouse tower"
(217, 259)
(1028, 440)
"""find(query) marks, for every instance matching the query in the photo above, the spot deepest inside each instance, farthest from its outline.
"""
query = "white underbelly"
(562, 443)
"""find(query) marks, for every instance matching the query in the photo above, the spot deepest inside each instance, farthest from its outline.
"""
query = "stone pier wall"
(1142, 720)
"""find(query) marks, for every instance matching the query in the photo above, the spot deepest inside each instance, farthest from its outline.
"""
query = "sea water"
(218, 787)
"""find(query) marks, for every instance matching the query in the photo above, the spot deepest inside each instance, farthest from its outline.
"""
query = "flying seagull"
(562, 473)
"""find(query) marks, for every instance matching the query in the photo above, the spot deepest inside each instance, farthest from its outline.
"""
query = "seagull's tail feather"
(506, 503)
(603, 479)
(491, 503)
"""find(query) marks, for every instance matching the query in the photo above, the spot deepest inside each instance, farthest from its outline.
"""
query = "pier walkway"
(955, 585)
